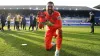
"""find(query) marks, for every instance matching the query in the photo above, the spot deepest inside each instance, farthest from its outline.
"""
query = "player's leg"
(48, 39)
(3, 24)
(17, 23)
(32, 27)
(21, 25)
(58, 42)
(8, 25)
(36, 25)
(29, 26)
(14, 25)
(25, 26)
(92, 27)
(18, 26)
(0, 26)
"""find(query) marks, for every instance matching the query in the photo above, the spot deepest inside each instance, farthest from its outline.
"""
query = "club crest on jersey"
(59, 17)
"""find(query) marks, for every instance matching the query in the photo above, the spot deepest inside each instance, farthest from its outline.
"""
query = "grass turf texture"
(77, 41)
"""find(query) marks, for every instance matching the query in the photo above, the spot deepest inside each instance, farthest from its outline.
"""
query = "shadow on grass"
(63, 53)
(83, 42)
(93, 37)
(80, 51)
(38, 33)
(31, 37)
(32, 48)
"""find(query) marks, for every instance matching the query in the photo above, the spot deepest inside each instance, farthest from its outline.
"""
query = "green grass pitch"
(77, 41)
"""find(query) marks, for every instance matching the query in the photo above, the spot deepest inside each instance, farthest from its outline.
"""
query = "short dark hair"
(50, 2)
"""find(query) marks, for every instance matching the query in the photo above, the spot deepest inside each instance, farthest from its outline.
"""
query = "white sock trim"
(57, 51)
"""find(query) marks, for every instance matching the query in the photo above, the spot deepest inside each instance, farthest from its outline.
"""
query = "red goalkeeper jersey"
(54, 18)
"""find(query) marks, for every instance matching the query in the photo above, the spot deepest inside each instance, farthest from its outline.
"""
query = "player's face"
(50, 8)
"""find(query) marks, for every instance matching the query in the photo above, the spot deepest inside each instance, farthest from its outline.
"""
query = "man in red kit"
(53, 25)
(41, 18)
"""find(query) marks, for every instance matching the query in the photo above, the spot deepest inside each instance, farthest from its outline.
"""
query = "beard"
(50, 11)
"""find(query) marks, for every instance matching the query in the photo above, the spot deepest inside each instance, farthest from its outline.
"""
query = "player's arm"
(48, 23)
(58, 22)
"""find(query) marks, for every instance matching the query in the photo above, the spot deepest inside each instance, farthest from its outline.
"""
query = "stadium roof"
(41, 7)
(98, 7)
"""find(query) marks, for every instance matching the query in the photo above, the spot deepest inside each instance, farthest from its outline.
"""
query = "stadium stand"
(72, 15)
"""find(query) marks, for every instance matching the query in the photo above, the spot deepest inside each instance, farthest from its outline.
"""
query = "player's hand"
(49, 23)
